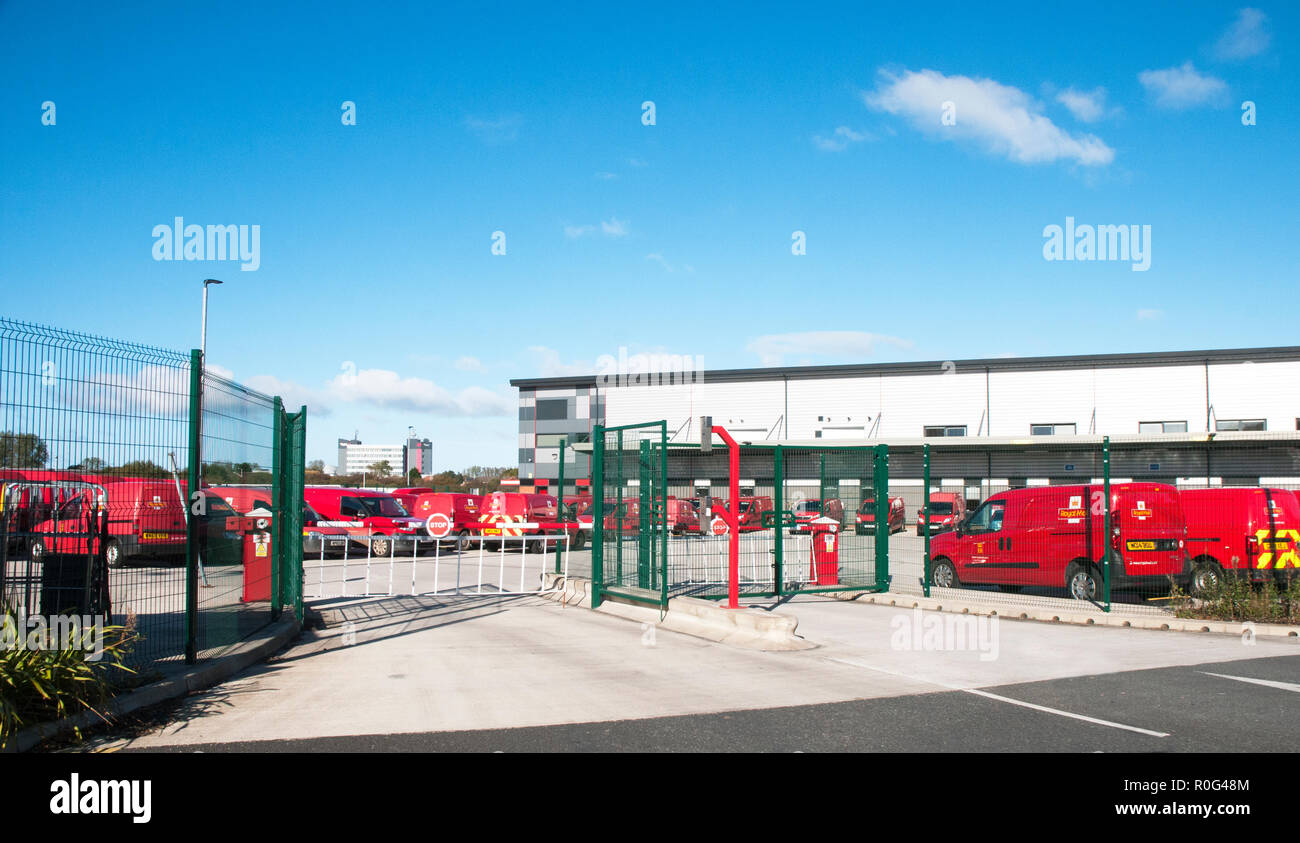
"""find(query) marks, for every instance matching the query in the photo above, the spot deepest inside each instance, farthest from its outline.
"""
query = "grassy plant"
(39, 685)
(1233, 598)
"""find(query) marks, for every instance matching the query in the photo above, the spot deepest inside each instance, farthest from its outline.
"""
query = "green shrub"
(1233, 598)
(38, 686)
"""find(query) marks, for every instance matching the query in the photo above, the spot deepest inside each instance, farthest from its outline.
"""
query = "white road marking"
(1000, 698)
(1268, 683)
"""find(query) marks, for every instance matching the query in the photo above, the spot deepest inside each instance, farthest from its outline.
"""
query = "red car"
(947, 509)
(1248, 532)
(806, 511)
(369, 516)
(865, 521)
(1053, 536)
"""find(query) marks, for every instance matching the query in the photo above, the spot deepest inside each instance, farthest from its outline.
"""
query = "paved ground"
(525, 673)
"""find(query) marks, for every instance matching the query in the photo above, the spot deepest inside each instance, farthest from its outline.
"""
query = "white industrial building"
(1003, 410)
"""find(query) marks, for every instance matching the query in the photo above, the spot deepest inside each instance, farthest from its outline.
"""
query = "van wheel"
(1206, 576)
(536, 546)
(1082, 582)
(113, 554)
(38, 550)
(462, 540)
(944, 574)
(579, 541)
(381, 546)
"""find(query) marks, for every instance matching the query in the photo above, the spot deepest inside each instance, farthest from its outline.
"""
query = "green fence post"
(778, 492)
(193, 476)
(618, 511)
(598, 513)
(925, 517)
(278, 508)
(299, 463)
(1105, 480)
(560, 505)
(881, 473)
(645, 522)
(663, 533)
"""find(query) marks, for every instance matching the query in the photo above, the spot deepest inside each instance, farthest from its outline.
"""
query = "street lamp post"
(203, 335)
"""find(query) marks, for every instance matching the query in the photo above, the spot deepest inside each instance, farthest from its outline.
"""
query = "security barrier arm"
(731, 518)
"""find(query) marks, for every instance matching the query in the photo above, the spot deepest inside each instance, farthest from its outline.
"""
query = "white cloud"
(1183, 87)
(1088, 106)
(839, 140)
(1001, 119)
(575, 231)
(500, 130)
(1248, 36)
(1147, 314)
(614, 227)
(384, 389)
(469, 364)
(845, 346)
(603, 176)
(293, 394)
(659, 259)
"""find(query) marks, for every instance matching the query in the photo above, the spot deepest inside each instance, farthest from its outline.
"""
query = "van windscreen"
(387, 507)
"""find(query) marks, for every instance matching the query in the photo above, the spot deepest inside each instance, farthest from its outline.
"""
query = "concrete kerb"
(753, 629)
(244, 654)
(1080, 617)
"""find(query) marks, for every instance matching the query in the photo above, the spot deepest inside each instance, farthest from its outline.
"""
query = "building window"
(525, 455)
(1162, 427)
(552, 440)
(1240, 424)
(526, 413)
(945, 430)
(552, 409)
(1051, 430)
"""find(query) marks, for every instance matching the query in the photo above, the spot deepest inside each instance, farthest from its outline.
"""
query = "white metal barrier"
(703, 561)
(494, 565)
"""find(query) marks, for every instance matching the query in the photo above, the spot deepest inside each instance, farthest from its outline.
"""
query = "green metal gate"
(847, 485)
(629, 554)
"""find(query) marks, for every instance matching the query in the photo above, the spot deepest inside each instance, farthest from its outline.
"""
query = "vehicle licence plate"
(1141, 545)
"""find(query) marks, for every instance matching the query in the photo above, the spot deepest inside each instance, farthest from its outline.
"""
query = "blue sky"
(378, 300)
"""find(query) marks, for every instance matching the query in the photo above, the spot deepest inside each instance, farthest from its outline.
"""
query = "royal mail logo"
(1071, 513)
(1076, 502)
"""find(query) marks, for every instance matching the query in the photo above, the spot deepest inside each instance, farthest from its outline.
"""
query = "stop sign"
(718, 527)
(438, 525)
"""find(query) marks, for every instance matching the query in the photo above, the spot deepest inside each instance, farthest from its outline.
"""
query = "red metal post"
(732, 519)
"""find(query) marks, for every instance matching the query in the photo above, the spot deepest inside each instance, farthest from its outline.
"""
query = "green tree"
(382, 468)
(22, 450)
(413, 476)
(316, 465)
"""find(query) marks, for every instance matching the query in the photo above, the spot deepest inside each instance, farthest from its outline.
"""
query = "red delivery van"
(332, 541)
(375, 517)
(750, 512)
(946, 510)
(462, 511)
(806, 510)
(145, 518)
(1245, 532)
(1053, 536)
(865, 521)
(500, 509)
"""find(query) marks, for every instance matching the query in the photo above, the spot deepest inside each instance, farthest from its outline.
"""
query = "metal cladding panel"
(1126, 397)
(904, 404)
(758, 404)
(1257, 390)
(1021, 399)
